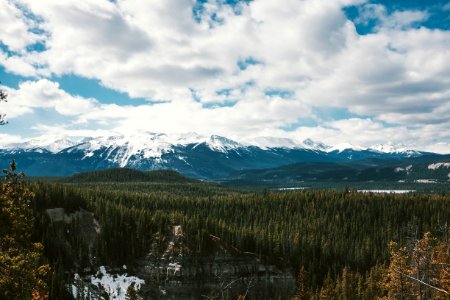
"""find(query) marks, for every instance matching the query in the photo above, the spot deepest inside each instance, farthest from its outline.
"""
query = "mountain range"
(215, 157)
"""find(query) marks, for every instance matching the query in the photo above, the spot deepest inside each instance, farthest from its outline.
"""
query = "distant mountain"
(193, 155)
(424, 169)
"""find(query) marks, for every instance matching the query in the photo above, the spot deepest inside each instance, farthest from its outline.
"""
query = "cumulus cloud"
(15, 31)
(191, 56)
(446, 7)
(44, 94)
(6, 139)
(378, 14)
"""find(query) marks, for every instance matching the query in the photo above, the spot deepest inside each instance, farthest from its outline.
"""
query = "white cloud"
(443, 148)
(398, 74)
(446, 7)
(402, 19)
(15, 29)
(44, 94)
(6, 139)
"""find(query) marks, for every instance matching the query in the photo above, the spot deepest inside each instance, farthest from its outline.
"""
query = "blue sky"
(344, 71)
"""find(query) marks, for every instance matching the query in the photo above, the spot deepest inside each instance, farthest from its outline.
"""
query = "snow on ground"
(173, 268)
(387, 191)
(291, 189)
(345, 146)
(407, 169)
(425, 180)
(439, 165)
(115, 285)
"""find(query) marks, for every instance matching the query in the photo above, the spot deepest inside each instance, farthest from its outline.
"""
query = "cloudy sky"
(363, 72)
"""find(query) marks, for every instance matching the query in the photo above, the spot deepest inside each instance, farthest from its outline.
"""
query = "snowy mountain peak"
(277, 142)
(386, 148)
(222, 144)
(345, 146)
(121, 148)
(266, 142)
(391, 148)
(312, 145)
(51, 144)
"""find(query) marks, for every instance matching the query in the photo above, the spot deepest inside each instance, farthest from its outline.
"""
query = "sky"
(355, 71)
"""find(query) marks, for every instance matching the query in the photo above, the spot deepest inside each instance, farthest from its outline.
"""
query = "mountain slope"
(205, 157)
(424, 169)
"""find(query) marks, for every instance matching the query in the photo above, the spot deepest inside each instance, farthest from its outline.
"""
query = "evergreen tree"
(302, 286)
(328, 289)
(22, 276)
(131, 293)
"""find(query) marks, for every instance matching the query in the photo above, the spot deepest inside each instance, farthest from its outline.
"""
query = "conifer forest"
(323, 244)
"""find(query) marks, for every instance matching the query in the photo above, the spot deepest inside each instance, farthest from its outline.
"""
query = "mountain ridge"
(193, 155)
(161, 140)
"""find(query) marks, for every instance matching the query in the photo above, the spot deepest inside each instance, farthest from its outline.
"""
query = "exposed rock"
(172, 271)
(83, 222)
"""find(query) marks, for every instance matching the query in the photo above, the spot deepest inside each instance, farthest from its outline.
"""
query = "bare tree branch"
(422, 282)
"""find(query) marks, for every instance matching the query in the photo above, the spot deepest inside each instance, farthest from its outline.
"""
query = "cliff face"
(68, 231)
(172, 271)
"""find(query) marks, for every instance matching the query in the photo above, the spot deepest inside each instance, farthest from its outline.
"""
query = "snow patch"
(292, 189)
(222, 144)
(345, 146)
(407, 169)
(395, 149)
(425, 180)
(115, 286)
(174, 268)
(51, 143)
(439, 165)
(387, 191)
(266, 142)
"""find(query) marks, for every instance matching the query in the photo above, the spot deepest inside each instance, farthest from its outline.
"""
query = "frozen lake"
(387, 191)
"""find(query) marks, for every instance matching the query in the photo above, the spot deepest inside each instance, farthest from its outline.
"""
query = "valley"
(187, 239)
(188, 218)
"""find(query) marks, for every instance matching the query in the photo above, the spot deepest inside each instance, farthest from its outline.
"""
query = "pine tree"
(21, 274)
(302, 286)
(328, 289)
(397, 282)
(131, 293)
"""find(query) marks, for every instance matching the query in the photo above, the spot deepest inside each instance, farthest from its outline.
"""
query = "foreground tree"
(3, 97)
(22, 276)
(422, 272)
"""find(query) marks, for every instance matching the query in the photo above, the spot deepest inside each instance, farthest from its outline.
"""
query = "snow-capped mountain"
(276, 142)
(345, 146)
(120, 149)
(53, 144)
(391, 148)
(191, 154)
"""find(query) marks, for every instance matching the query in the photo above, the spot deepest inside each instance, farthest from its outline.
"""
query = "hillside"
(424, 169)
(128, 175)
(187, 244)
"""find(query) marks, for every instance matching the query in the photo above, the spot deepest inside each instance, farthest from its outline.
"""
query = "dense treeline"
(418, 270)
(323, 231)
(128, 175)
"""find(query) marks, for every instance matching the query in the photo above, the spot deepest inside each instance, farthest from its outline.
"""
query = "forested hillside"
(316, 234)
(128, 175)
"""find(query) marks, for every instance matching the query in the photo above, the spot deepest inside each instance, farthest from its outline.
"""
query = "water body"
(387, 191)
